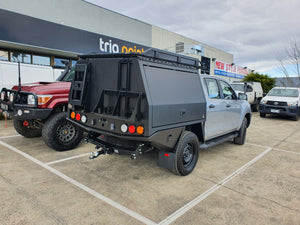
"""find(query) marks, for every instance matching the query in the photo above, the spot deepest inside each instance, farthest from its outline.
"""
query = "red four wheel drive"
(38, 109)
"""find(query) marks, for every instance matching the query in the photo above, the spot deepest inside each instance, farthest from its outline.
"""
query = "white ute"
(253, 90)
(281, 101)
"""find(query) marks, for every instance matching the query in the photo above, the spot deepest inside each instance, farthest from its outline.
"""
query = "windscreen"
(238, 87)
(69, 76)
(284, 92)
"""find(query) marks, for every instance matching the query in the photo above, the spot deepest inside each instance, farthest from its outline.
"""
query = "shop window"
(41, 60)
(59, 62)
(3, 55)
(20, 57)
(74, 62)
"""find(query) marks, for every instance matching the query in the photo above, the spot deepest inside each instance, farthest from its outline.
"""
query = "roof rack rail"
(154, 54)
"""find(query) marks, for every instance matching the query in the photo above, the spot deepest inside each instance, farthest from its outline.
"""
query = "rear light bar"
(132, 129)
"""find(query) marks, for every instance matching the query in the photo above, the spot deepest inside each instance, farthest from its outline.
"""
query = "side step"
(218, 140)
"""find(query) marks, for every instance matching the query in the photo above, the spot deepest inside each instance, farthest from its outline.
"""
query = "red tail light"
(131, 129)
(78, 117)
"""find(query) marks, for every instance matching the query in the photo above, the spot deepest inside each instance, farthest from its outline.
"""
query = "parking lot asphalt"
(257, 183)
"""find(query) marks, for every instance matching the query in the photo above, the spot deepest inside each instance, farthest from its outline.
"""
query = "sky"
(256, 32)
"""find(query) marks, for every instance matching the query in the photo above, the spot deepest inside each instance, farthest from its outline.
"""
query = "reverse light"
(124, 128)
(78, 117)
(73, 114)
(131, 129)
(83, 119)
(43, 99)
(140, 129)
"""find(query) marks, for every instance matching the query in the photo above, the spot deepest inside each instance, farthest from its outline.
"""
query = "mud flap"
(166, 160)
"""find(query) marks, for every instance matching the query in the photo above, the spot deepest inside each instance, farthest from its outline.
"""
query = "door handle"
(228, 105)
(211, 106)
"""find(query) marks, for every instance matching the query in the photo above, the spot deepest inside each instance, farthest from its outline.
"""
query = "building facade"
(45, 33)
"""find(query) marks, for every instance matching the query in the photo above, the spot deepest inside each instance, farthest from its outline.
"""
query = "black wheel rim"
(66, 132)
(188, 154)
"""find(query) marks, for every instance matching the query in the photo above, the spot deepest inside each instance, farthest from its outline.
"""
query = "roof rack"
(153, 54)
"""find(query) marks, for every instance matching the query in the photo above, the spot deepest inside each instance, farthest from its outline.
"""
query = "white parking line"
(204, 195)
(83, 187)
(65, 159)
(17, 135)
(171, 218)
(276, 149)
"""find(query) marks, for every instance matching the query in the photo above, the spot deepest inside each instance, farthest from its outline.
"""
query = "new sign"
(229, 70)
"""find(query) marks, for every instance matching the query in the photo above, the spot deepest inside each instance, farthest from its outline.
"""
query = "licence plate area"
(275, 111)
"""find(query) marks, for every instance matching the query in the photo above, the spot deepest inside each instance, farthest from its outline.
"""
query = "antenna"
(19, 75)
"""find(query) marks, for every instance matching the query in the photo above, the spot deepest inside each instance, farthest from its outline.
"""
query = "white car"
(281, 101)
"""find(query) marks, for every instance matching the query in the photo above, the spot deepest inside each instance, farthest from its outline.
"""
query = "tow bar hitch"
(102, 151)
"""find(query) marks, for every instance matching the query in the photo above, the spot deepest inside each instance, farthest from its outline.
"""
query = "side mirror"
(242, 96)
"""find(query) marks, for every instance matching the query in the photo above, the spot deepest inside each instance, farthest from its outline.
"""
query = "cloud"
(256, 32)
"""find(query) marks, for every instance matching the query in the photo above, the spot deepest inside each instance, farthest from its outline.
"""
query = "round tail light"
(78, 117)
(73, 114)
(140, 129)
(124, 128)
(131, 129)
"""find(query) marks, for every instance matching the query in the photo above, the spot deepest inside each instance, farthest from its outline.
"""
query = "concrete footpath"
(257, 183)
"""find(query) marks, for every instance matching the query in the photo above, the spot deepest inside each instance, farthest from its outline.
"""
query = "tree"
(290, 62)
(267, 82)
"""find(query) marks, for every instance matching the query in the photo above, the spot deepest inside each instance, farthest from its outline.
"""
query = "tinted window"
(228, 92)
(212, 88)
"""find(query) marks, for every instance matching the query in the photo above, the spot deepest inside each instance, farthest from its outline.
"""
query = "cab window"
(227, 91)
(212, 88)
(249, 88)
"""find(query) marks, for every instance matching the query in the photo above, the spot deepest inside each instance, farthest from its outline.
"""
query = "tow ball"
(102, 151)
(109, 150)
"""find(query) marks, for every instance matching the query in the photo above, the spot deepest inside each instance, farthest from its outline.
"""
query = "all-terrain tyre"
(26, 128)
(60, 134)
(255, 107)
(240, 139)
(262, 115)
(186, 153)
(296, 117)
